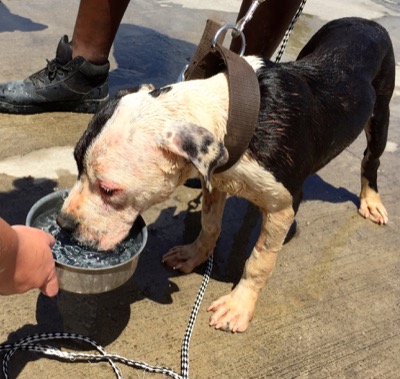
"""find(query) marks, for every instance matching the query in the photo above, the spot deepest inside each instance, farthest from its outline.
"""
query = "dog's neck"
(202, 102)
(206, 102)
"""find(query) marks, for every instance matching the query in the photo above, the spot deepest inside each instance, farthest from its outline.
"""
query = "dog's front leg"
(234, 312)
(187, 257)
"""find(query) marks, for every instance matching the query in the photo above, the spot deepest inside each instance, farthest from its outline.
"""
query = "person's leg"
(96, 25)
(77, 79)
(266, 29)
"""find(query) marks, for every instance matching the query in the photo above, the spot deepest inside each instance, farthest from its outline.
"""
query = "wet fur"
(310, 111)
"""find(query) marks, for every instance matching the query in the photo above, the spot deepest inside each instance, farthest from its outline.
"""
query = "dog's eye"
(106, 191)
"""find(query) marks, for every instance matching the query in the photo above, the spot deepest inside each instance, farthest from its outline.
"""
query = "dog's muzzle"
(66, 222)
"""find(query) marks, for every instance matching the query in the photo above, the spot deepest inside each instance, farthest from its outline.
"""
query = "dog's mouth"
(75, 239)
(84, 237)
(72, 250)
(98, 241)
(90, 243)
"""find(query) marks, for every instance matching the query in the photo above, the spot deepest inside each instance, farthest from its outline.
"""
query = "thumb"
(52, 240)
(50, 287)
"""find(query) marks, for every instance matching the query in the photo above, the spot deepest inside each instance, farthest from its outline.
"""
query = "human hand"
(33, 266)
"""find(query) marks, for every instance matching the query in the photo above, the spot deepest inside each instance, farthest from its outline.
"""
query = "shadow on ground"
(27, 191)
(146, 56)
(10, 22)
(103, 317)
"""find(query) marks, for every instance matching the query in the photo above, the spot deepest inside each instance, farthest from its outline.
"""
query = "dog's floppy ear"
(196, 144)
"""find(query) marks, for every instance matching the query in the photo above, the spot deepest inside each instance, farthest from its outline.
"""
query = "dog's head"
(135, 152)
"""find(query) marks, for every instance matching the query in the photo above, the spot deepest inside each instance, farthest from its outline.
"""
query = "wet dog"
(142, 145)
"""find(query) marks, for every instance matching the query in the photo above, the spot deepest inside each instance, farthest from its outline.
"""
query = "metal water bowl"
(90, 280)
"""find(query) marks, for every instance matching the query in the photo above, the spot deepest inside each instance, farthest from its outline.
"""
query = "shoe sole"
(89, 106)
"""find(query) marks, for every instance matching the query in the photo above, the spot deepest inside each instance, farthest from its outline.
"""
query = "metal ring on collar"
(237, 32)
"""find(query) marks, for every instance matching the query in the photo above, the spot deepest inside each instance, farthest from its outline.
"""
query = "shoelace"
(54, 68)
(51, 70)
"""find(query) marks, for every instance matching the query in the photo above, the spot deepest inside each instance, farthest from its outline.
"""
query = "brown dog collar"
(244, 91)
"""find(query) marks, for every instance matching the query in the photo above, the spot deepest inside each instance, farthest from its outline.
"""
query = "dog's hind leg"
(187, 257)
(376, 130)
(234, 311)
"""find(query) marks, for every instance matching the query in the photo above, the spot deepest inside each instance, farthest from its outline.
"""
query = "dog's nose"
(66, 222)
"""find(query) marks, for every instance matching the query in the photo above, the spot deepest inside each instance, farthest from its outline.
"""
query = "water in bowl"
(70, 252)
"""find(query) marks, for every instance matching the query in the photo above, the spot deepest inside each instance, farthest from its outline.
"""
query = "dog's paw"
(184, 258)
(372, 207)
(233, 312)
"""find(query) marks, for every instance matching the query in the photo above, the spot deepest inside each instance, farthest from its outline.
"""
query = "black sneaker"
(65, 85)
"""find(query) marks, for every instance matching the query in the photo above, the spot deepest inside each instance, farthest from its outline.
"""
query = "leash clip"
(246, 18)
(237, 30)
(234, 30)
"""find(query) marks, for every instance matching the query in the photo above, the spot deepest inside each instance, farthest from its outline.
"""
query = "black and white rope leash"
(238, 28)
(289, 31)
(192, 319)
(30, 343)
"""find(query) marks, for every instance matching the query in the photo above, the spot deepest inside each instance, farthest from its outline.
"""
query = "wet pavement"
(331, 309)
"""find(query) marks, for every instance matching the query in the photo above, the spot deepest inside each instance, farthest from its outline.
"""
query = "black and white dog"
(142, 145)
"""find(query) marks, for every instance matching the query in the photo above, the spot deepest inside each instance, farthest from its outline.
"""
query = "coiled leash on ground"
(31, 343)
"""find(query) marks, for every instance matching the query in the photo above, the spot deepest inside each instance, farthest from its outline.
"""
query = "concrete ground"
(331, 309)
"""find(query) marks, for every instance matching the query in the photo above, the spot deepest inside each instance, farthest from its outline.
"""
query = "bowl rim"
(59, 194)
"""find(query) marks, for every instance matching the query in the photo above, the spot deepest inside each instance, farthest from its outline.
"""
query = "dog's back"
(316, 106)
(357, 41)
